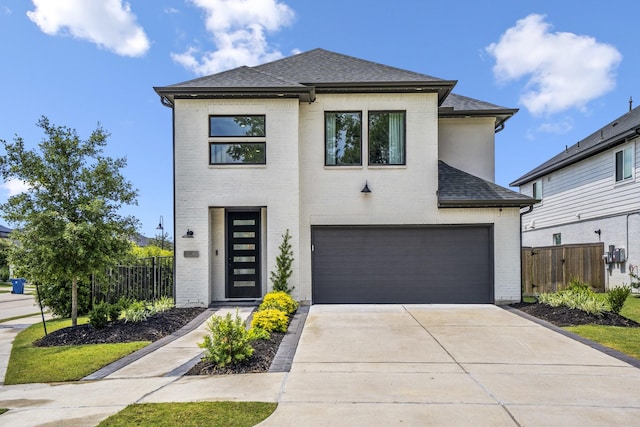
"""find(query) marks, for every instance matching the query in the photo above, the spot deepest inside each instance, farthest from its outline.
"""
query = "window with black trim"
(343, 138)
(237, 139)
(624, 164)
(537, 189)
(387, 138)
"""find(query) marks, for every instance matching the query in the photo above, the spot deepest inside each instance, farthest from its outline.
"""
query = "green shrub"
(270, 320)
(163, 304)
(136, 312)
(229, 342)
(616, 298)
(99, 316)
(57, 298)
(284, 260)
(114, 311)
(280, 301)
(576, 296)
(259, 334)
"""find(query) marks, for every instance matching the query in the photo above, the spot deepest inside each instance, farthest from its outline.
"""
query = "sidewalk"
(12, 306)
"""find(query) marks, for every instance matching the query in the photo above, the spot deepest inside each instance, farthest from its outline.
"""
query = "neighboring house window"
(537, 189)
(343, 138)
(387, 138)
(237, 140)
(557, 239)
(624, 164)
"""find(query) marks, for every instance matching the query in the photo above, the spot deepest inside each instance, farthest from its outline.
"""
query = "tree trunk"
(74, 301)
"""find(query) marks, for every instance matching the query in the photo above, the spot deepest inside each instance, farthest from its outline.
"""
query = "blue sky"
(569, 66)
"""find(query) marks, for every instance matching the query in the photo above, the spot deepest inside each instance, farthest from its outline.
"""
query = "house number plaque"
(191, 254)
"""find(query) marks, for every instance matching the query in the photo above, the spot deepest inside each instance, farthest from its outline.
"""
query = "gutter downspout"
(521, 215)
(165, 101)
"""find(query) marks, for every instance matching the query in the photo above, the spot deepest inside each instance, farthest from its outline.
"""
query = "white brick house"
(292, 144)
(590, 193)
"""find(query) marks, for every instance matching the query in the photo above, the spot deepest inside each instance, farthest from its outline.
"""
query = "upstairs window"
(387, 138)
(237, 140)
(624, 164)
(343, 138)
(537, 189)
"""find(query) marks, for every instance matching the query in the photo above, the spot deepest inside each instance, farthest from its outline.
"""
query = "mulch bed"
(260, 361)
(155, 327)
(565, 316)
(159, 326)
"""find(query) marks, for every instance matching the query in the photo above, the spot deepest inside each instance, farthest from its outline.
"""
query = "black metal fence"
(149, 279)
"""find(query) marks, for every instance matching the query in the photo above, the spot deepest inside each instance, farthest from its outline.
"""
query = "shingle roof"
(4, 231)
(322, 71)
(459, 106)
(459, 189)
(319, 66)
(303, 74)
(615, 133)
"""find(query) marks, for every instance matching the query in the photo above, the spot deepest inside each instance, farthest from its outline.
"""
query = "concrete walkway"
(366, 365)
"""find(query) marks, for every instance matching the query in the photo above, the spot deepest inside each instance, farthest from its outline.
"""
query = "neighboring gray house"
(4, 232)
(383, 177)
(590, 193)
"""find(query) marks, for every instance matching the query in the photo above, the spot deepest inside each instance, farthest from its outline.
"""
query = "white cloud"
(108, 23)
(238, 29)
(564, 70)
(14, 187)
(559, 127)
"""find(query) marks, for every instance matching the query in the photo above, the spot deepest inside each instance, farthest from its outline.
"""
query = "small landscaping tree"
(284, 260)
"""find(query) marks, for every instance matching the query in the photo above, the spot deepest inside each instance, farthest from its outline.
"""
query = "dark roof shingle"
(459, 189)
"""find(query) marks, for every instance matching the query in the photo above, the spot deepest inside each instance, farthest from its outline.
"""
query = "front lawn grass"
(3, 410)
(29, 364)
(625, 340)
(192, 414)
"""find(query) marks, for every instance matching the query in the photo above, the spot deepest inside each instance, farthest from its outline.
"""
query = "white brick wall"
(296, 190)
(201, 188)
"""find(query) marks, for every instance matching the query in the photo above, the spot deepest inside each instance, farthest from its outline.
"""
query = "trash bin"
(18, 286)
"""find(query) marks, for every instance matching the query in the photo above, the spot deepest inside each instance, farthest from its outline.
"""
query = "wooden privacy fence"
(551, 268)
(149, 279)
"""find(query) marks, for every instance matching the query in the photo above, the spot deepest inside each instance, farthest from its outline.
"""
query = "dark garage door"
(422, 265)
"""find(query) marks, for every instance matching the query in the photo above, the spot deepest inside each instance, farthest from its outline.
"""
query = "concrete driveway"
(417, 365)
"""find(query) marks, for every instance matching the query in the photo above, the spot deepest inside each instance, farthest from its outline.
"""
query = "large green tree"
(67, 223)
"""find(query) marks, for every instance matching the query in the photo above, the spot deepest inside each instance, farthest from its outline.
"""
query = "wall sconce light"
(189, 234)
(365, 189)
(598, 231)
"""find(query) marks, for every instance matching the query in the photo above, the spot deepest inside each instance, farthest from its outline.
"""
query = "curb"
(284, 356)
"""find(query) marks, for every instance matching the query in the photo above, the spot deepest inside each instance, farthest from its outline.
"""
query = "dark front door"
(243, 255)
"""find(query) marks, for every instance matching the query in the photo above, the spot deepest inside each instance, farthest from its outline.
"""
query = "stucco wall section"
(468, 144)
